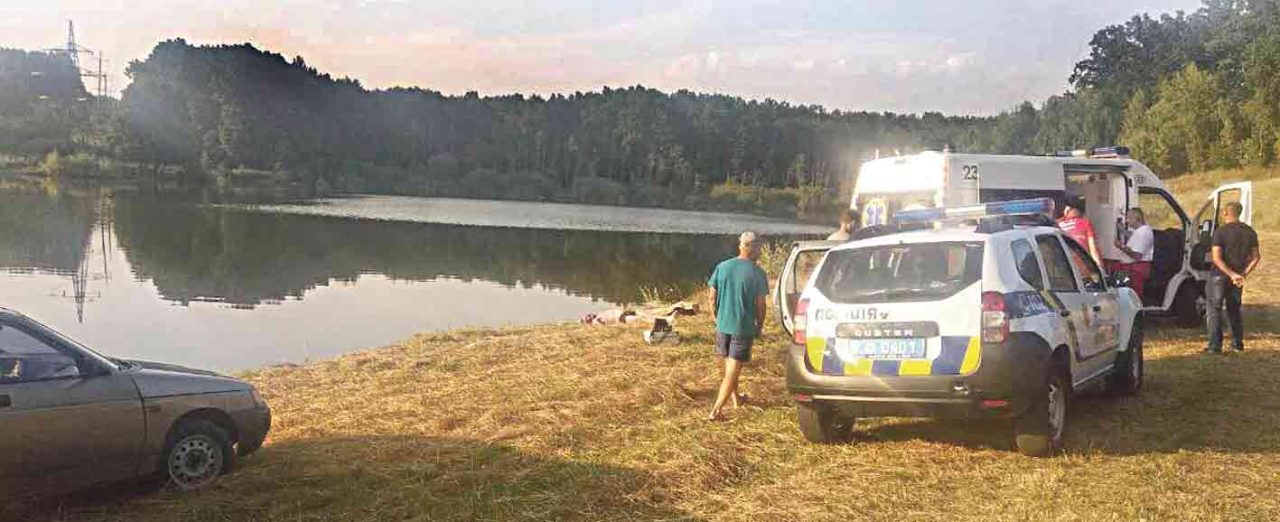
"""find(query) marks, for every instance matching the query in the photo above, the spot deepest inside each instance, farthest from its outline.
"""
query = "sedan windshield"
(904, 272)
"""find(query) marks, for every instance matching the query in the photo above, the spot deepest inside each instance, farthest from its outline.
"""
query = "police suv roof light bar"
(1021, 207)
(1110, 152)
(1114, 152)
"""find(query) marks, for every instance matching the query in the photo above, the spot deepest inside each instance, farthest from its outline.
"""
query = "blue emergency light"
(1110, 152)
(1019, 207)
(1113, 152)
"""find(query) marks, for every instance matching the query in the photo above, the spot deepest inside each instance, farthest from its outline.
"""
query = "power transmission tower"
(73, 50)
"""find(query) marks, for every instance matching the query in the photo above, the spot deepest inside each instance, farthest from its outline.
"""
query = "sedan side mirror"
(90, 368)
(1121, 279)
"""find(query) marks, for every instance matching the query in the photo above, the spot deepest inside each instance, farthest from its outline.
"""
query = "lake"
(230, 286)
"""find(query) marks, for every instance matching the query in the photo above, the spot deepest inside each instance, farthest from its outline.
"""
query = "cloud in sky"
(977, 56)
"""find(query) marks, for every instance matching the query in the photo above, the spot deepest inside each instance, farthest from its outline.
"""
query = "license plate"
(885, 349)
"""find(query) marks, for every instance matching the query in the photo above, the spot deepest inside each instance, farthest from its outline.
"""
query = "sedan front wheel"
(199, 451)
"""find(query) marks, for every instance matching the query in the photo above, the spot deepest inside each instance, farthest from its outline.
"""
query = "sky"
(955, 57)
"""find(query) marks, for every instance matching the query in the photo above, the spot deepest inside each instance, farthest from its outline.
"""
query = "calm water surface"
(230, 287)
(519, 214)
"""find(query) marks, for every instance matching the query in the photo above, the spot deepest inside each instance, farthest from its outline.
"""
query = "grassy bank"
(581, 423)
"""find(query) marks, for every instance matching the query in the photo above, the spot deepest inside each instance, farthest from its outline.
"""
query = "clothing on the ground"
(1139, 274)
(738, 283)
(612, 316)
(1080, 229)
(643, 315)
(839, 235)
(1237, 241)
(1220, 292)
(735, 347)
(1143, 241)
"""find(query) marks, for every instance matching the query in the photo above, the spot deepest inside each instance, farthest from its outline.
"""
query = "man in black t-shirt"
(1235, 255)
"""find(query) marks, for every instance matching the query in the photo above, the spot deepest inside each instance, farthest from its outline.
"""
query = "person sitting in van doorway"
(1235, 256)
(1079, 228)
(738, 288)
(848, 223)
(1139, 249)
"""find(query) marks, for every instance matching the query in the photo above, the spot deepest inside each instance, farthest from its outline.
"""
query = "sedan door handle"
(5, 401)
(1097, 308)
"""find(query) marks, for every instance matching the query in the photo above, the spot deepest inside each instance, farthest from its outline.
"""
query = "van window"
(876, 209)
(1061, 279)
(1159, 211)
(1229, 196)
(904, 272)
(1025, 259)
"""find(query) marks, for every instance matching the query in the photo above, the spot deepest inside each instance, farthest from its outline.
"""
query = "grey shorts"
(733, 346)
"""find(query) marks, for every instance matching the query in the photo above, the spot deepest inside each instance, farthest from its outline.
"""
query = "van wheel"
(1186, 309)
(1038, 431)
(823, 426)
(1130, 366)
(197, 453)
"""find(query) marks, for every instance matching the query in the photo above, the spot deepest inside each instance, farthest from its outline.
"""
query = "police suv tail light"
(995, 322)
(799, 321)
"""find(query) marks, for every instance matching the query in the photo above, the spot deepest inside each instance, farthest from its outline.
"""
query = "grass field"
(567, 422)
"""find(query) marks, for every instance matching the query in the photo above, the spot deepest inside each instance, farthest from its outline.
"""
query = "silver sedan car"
(70, 417)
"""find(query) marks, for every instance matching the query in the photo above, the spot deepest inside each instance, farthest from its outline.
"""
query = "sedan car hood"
(166, 380)
(149, 365)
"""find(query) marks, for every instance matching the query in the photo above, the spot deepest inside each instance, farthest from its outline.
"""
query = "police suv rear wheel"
(824, 426)
(1038, 432)
(1130, 366)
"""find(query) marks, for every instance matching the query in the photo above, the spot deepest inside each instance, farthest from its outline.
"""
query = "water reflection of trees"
(44, 233)
(250, 258)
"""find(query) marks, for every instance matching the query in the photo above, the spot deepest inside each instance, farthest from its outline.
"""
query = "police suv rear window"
(1025, 259)
(904, 272)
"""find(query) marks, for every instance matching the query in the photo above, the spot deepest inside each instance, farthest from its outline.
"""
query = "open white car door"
(1230, 193)
(804, 258)
(1210, 217)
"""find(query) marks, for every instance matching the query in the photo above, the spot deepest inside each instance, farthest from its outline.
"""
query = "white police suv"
(989, 312)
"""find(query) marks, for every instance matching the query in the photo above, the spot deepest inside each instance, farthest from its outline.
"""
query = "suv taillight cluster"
(995, 321)
(800, 320)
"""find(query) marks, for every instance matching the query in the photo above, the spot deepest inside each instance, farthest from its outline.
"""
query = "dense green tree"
(1188, 126)
(1015, 130)
(216, 110)
(1187, 91)
(41, 102)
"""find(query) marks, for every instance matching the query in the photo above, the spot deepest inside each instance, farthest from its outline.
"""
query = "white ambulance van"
(1108, 180)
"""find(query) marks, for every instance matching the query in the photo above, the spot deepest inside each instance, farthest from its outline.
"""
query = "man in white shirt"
(1138, 249)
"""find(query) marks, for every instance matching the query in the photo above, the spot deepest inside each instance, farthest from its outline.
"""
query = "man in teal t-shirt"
(738, 289)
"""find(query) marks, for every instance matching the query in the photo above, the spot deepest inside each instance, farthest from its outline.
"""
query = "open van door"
(804, 258)
(1207, 220)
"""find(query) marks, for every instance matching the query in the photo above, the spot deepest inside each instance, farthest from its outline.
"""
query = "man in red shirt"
(1080, 228)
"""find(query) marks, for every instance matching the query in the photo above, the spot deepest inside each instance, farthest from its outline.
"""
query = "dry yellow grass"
(567, 422)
